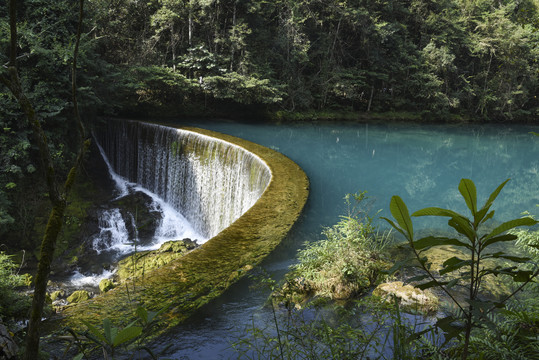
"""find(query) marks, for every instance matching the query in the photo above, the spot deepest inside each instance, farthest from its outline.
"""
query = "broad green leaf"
(430, 284)
(395, 226)
(469, 193)
(79, 356)
(418, 278)
(107, 330)
(501, 238)
(436, 211)
(399, 265)
(142, 313)
(94, 331)
(489, 216)
(127, 334)
(462, 226)
(452, 283)
(402, 216)
(430, 241)
(522, 276)
(453, 264)
(494, 195)
(450, 326)
(525, 221)
(502, 255)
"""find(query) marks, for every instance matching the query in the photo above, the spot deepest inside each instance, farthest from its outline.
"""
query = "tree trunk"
(57, 198)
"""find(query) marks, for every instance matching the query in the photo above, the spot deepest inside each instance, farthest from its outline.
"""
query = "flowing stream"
(421, 163)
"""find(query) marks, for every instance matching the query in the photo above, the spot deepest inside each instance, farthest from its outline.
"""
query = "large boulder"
(78, 296)
(106, 285)
(410, 298)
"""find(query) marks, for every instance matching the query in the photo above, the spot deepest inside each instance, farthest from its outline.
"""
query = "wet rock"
(177, 246)
(78, 296)
(410, 298)
(106, 285)
(8, 347)
(141, 263)
(58, 294)
(140, 215)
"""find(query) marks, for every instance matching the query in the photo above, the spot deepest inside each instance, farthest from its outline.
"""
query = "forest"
(435, 60)
(431, 61)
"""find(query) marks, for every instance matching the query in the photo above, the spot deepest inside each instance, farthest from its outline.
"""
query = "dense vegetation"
(473, 60)
(437, 60)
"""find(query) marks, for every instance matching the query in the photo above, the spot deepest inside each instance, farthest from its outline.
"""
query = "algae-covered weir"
(243, 196)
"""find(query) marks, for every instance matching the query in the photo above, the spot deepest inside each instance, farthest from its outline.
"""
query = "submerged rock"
(410, 298)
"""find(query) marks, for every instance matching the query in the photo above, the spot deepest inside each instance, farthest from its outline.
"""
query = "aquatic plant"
(477, 241)
(348, 261)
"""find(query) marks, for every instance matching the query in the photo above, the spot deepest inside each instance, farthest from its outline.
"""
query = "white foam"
(79, 280)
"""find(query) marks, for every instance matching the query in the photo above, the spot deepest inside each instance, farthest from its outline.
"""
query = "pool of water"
(423, 164)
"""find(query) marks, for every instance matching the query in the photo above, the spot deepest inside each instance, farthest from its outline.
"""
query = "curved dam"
(244, 197)
(211, 182)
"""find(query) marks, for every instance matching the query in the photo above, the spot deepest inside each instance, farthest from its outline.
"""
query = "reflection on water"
(422, 164)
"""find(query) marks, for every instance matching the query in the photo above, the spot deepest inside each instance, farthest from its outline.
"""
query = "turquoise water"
(421, 163)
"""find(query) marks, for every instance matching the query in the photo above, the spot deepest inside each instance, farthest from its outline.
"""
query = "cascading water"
(209, 181)
(113, 232)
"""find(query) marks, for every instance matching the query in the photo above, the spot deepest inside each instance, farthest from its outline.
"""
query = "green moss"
(106, 285)
(78, 296)
(58, 294)
(141, 263)
(187, 283)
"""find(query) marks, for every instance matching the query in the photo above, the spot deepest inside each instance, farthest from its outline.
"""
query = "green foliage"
(14, 306)
(110, 340)
(348, 261)
(478, 241)
(528, 241)
(514, 336)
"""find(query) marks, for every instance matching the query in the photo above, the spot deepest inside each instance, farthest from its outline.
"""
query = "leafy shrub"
(476, 239)
(348, 261)
(13, 305)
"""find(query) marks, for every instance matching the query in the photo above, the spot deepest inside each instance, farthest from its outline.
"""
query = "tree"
(57, 193)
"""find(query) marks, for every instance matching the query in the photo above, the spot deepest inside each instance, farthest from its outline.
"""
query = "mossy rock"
(78, 296)
(58, 294)
(410, 298)
(140, 264)
(106, 285)
(493, 286)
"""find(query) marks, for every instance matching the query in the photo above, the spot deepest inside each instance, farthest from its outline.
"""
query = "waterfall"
(209, 181)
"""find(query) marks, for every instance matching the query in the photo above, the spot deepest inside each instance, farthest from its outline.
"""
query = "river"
(421, 163)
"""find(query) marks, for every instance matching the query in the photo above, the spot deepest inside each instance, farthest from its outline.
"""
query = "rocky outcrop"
(8, 347)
